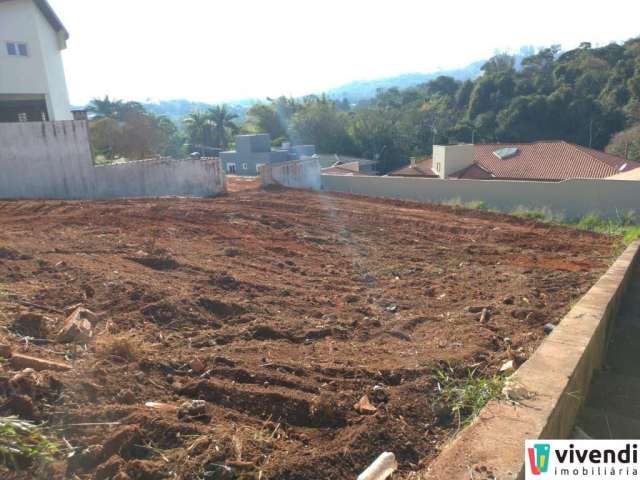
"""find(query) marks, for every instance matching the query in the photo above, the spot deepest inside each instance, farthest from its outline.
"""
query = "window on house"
(22, 117)
(17, 49)
(231, 168)
(245, 166)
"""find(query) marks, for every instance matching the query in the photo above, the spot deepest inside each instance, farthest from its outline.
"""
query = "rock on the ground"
(508, 368)
(364, 406)
(78, 327)
(193, 410)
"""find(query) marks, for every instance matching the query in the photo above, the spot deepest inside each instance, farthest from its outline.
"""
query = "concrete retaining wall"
(549, 388)
(573, 198)
(294, 174)
(155, 178)
(53, 160)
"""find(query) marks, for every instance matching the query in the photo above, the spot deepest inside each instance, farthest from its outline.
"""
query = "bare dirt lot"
(280, 310)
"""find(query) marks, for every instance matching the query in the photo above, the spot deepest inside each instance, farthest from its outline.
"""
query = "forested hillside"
(589, 96)
(585, 96)
(360, 90)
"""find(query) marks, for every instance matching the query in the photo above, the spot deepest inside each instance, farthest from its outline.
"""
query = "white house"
(32, 82)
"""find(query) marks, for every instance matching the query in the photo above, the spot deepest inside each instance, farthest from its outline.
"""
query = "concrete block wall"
(294, 174)
(571, 198)
(202, 177)
(53, 160)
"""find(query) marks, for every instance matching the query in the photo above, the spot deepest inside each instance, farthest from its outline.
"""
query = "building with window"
(253, 151)
(32, 81)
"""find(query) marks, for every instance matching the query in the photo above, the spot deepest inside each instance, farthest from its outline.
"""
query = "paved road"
(612, 409)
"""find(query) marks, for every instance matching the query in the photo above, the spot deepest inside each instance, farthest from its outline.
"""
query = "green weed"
(23, 442)
(476, 205)
(466, 396)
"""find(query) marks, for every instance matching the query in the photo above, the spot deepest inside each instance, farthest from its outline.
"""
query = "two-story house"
(32, 81)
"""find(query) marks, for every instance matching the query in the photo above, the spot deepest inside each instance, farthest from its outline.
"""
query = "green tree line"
(589, 96)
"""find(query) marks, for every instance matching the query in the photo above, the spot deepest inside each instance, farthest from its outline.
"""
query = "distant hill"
(354, 92)
(364, 89)
(177, 109)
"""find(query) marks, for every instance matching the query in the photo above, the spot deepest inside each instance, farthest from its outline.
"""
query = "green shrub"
(531, 213)
(476, 205)
(22, 442)
(625, 224)
(591, 221)
(631, 234)
(627, 218)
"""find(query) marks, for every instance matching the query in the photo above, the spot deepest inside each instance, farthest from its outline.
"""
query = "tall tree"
(626, 144)
(199, 128)
(264, 118)
(116, 109)
(224, 125)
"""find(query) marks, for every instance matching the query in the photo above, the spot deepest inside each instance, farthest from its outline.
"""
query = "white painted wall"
(448, 159)
(42, 72)
(293, 174)
(53, 160)
(572, 198)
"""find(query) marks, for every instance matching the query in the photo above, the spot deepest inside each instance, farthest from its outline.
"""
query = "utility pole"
(590, 132)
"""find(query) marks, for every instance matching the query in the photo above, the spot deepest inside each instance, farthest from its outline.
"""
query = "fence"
(53, 160)
(294, 174)
(571, 198)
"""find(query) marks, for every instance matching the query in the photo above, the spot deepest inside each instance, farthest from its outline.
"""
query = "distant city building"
(32, 81)
(253, 151)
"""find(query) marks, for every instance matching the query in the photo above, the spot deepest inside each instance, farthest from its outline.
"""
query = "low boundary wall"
(53, 160)
(293, 174)
(571, 198)
(549, 388)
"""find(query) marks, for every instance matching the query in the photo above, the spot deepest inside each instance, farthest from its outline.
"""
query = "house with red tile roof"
(550, 161)
(344, 169)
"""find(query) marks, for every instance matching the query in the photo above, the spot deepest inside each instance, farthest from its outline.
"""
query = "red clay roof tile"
(545, 161)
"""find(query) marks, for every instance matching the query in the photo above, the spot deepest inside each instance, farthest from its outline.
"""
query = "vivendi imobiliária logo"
(582, 459)
(539, 458)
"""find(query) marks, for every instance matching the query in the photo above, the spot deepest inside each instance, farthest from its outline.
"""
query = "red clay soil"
(279, 309)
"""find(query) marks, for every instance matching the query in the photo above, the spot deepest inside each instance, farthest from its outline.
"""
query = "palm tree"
(105, 108)
(223, 124)
(199, 128)
(116, 109)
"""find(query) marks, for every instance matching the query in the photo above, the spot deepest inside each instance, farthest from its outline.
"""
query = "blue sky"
(221, 50)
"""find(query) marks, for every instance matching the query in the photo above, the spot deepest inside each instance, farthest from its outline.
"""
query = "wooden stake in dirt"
(20, 361)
